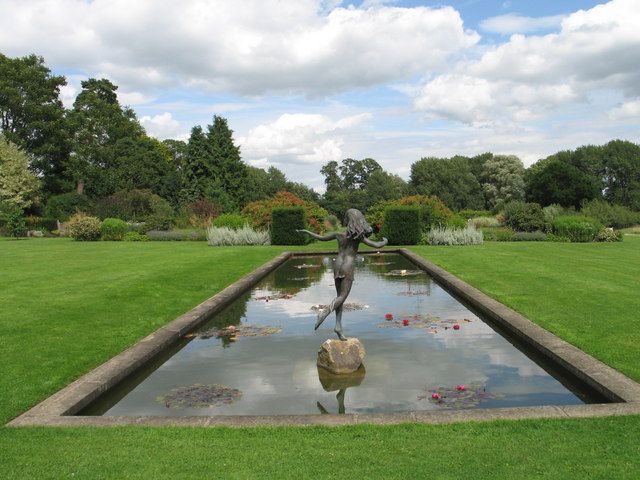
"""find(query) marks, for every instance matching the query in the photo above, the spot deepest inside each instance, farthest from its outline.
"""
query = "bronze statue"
(344, 265)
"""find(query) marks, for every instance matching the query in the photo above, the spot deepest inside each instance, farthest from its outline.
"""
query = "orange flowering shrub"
(259, 212)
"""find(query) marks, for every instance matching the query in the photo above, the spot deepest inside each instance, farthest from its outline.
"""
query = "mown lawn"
(66, 307)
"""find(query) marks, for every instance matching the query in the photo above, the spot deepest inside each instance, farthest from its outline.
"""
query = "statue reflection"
(331, 382)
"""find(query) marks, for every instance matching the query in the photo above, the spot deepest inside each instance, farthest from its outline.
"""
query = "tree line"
(98, 147)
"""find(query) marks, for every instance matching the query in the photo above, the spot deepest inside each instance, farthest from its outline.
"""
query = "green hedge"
(402, 225)
(576, 228)
(61, 207)
(284, 222)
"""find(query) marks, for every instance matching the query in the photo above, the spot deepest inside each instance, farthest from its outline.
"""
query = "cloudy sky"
(303, 82)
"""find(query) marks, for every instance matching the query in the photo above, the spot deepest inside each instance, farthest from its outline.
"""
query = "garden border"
(59, 408)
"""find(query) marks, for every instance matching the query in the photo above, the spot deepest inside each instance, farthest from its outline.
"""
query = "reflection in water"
(331, 382)
(277, 373)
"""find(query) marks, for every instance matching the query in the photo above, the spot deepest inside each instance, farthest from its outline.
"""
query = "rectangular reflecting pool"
(425, 350)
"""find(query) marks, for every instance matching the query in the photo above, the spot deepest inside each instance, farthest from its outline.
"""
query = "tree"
(385, 186)
(561, 183)
(621, 161)
(355, 173)
(503, 180)
(226, 164)
(19, 186)
(450, 179)
(332, 179)
(33, 118)
(99, 123)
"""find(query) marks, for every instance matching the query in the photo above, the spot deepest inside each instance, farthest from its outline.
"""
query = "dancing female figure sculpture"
(344, 265)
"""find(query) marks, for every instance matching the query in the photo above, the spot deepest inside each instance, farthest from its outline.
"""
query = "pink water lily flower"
(456, 327)
(388, 316)
(435, 396)
(405, 322)
(461, 388)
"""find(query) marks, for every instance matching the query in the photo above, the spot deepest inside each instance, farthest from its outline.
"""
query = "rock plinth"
(340, 357)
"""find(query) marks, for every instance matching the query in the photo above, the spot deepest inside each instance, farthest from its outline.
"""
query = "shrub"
(230, 220)
(134, 237)
(133, 205)
(176, 235)
(498, 234)
(617, 216)
(524, 217)
(16, 225)
(158, 222)
(432, 211)
(454, 236)
(456, 221)
(113, 229)
(83, 227)
(285, 221)
(40, 223)
(61, 207)
(577, 228)
(480, 222)
(608, 235)
(331, 222)
(552, 237)
(219, 236)
(402, 225)
(551, 212)
(260, 212)
(529, 237)
(469, 214)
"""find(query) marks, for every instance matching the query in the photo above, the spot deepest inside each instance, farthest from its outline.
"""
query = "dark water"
(277, 374)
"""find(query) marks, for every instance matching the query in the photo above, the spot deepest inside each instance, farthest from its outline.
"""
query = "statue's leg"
(343, 287)
(343, 293)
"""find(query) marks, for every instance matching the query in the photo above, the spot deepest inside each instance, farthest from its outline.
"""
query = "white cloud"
(597, 49)
(163, 126)
(68, 95)
(299, 138)
(133, 98)
(254, 47)
(513, 23)
(628, 110)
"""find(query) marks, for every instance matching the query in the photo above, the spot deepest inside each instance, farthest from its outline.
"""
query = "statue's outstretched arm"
(373, 244)
(324, 238)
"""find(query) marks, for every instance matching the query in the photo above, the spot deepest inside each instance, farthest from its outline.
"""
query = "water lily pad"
(240, 331)
(404, 273)
(414, 293)
(308, 265)
(347, 307)
(275, 296)
(380, 263)
(200, 396)
(453, 397)
(432, 324)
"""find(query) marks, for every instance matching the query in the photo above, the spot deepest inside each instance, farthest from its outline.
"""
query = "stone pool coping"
(59, 408)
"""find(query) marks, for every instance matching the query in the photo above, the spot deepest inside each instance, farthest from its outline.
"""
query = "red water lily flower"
(405, 322)
(388, 316)
(461, 388)
(456, 327)
(435, 396)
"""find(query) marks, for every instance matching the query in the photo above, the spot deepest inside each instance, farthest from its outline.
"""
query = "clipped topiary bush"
(16, 226)
(230, 220)
(61, 207)
(402, 225)
(576, 228)
(285, 221)
(83, 227)
(524, 217)
(113, 229)
(158, 222)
